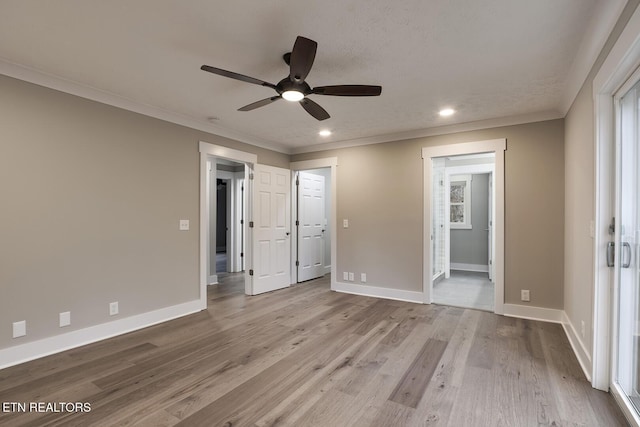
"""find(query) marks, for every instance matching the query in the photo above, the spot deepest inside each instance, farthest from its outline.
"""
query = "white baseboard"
(533, 313)
(580, 350)
(212, 280)
(36, 349)
(470, 267)
(327, 269)
(377, 292)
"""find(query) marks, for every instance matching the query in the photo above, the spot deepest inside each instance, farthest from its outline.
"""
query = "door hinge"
(297, 182)
(251, 176)
(242, 222)
(250, 224)
(297, 222)
(612, 226)
(297, 263)
(241, 254)
(250, 272)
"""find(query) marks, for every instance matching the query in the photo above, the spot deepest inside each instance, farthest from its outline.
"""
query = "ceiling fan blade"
(302, 56)
(259, 104)
(314, 109)
(348, 90)
(236, 76)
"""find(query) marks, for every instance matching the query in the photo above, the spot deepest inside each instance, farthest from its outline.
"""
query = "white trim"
(533, 313)
(621, 62)
(433, 131)
(376, 292)
(498, 146)
(212, 280)
(36, 349)
(469, 267)
(580, 350)
(327, 162)
(619, 396)
(67, 86)
(602, 22)
(227, 153)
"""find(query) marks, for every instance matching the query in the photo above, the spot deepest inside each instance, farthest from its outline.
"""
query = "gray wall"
(91, 198)
(470, 246)
(380, 192)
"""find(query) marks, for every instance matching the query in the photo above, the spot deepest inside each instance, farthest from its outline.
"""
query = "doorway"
(462, 203)
(210, 156)
(457, 163)
(227, 187)
(312, 211)
(327, 169)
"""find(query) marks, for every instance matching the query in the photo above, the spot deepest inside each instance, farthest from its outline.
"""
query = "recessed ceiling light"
(292, 95)
(446, 112)
(324, 132)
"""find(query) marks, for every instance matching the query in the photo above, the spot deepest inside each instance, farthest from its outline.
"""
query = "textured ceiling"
(487, 59)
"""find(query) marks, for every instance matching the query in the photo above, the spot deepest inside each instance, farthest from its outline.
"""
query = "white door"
(626, 375)
(271, 229)
(312, 226)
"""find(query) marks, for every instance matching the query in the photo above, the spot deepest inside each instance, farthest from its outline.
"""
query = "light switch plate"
(184, 224)
(351, 277)
(345, 276)
(363, 277)
(345, 223)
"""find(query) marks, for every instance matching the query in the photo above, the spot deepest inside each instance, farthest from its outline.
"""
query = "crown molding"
(434, 131)
(60, 84)
(604, 19)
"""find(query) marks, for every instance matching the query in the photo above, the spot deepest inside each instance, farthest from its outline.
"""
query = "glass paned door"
(627, 291)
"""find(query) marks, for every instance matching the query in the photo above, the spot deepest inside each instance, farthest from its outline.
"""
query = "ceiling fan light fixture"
(324, 132)
(292, 95)
(446, 112)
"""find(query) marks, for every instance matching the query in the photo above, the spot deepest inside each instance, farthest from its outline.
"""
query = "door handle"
(611, 254)
(626, 249)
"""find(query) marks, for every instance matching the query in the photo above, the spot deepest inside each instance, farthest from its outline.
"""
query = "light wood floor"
(306, 356)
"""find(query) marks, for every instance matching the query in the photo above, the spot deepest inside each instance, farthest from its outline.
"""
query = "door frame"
(209, 153)
(328, 162)
(621, 63)
(497, 146)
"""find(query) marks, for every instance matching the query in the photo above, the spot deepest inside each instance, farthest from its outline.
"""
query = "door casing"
(497, 146)
(329, 162)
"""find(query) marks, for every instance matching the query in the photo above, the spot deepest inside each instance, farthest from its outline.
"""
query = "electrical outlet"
(582, 328)
(19, 329)
(65, 319)
(184, 225)
(351, 277)
(113, 308)
(525, 295)
(363, 277)
(345, 276)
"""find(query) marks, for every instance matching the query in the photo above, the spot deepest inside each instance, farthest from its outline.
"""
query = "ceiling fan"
(293, 87)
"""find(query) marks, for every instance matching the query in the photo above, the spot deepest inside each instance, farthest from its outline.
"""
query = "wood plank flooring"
(306, 356)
